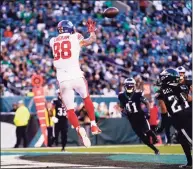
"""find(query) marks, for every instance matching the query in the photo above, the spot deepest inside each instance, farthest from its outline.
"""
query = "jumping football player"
(130, 102)
(173, 100)
(66, 49)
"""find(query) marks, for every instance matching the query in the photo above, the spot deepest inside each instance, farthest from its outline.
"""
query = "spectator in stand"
(8, 33)
(120, 46)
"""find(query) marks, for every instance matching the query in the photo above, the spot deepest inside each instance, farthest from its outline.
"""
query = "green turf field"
(137, 149)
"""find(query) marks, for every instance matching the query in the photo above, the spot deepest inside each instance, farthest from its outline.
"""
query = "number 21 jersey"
(66, 52)
(174, 98)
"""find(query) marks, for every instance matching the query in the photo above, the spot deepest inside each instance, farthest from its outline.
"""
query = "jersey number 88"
(62, 50)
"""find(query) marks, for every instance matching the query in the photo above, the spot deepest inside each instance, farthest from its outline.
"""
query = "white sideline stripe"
(40, 141)
(13, 161)
(38, 97)
(82, 147)
(39, 104)
(186, 135)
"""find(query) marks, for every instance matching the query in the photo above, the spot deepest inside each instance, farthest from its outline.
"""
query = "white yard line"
(13, 161)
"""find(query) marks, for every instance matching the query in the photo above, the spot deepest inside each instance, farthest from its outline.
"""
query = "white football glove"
(55, 119)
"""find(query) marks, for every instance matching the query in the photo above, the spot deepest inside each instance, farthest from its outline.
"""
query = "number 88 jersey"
(66, 51)
(174, 98)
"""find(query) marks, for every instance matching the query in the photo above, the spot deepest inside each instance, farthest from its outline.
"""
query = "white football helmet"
(181, 70)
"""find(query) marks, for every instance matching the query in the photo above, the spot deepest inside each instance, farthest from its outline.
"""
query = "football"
(110, 12)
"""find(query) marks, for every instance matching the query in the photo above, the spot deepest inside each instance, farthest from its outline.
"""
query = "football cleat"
(95, 130)
(157, 152)
(85, 140)
(185, 166)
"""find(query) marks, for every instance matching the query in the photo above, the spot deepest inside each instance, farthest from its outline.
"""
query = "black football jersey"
(188, 83)
(174, 98)
(132, 103)
(60, 109)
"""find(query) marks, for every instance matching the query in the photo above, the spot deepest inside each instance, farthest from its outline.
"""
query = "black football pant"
(50, 136)
(166, 125)
(183, 125)
(21, 134)
(63, 129)
(141, 127)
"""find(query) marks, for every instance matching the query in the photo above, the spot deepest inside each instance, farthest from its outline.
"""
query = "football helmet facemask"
(169, 77)
(129, 85)
(65, 26)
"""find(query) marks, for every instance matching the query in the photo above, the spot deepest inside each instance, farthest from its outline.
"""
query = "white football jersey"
(66, 51)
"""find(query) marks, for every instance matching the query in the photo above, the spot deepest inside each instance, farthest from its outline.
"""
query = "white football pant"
(67, 89)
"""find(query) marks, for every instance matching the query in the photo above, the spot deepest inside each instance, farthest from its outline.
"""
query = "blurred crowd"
(140, 42)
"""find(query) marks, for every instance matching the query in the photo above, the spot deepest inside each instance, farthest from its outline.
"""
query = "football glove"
(91, 25)
(55, 119)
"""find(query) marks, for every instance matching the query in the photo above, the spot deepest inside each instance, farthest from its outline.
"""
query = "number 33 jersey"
(60, 109)
(66, 51)
(174, 98)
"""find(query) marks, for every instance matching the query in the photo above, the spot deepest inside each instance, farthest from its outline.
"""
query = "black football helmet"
(65, 26)
(169, 77)
(129, 85)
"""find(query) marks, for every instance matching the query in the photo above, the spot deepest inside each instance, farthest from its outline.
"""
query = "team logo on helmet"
(169, 77)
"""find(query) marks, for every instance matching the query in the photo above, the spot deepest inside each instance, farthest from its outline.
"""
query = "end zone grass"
(117, 149)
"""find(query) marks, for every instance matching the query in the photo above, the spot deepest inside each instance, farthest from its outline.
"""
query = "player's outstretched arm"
(91, 29)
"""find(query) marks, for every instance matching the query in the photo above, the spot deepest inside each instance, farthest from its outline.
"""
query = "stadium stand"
(137, 42)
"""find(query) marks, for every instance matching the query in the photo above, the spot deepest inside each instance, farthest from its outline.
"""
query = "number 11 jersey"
(66, 51)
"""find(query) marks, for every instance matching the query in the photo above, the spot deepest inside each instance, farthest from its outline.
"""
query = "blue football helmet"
(65, 26)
